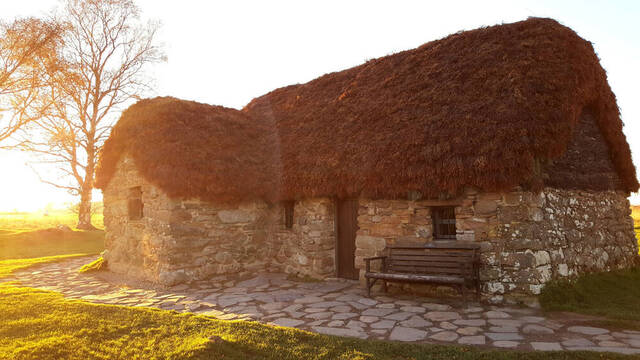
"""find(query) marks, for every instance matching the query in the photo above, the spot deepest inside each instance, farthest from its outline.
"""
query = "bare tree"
(99, 70)
(26, 46)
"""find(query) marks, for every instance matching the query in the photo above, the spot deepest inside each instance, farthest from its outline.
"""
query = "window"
(444, 222)
(288, 214)
(135, 203)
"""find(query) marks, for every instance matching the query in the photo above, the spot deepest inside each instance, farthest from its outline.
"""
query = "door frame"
(336, 206)
(335, 231)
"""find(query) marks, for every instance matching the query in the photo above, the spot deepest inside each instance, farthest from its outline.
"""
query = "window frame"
(289, 207)
(440, 220)
(135, 206)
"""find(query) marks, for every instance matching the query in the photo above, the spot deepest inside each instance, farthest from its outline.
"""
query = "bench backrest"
(434, 259)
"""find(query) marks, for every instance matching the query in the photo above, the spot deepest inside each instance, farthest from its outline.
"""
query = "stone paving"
(339, 308)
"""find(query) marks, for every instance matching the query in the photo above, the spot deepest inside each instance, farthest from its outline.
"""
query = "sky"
(227, 53)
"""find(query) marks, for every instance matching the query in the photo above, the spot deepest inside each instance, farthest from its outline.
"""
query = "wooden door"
(347, 215)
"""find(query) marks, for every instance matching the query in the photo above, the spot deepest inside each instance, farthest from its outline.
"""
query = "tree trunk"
(84, 211)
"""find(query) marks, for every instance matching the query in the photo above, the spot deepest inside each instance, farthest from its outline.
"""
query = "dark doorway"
(347, 215)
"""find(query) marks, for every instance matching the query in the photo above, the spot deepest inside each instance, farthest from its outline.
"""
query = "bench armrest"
(368, 260)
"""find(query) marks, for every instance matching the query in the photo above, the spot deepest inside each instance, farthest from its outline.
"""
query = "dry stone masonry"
(527, 238)
(178, 241)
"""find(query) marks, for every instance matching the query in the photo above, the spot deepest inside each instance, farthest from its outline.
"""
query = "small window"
(444, 222)
(288, 214)
(135, 203)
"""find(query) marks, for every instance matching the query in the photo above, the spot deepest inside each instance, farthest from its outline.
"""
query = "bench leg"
(384, 286)
(478, 290)
(370, 283)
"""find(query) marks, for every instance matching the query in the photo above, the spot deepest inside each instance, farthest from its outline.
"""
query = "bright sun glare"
(17, 176)
(229, 52)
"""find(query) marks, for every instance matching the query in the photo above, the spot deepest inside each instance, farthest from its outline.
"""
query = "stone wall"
(308, 248)
(182, 240)
(135, 248)
(526, 238)
(557, 233)
(387, 222)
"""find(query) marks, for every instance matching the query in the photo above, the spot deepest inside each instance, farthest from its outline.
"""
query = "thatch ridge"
(479, 108)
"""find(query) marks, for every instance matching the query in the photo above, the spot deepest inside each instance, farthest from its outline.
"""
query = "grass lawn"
(96, 265)
(635, 214)
(37, 243)
(24, 235)
(614, 295)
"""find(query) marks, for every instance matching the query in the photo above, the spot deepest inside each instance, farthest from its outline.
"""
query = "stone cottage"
(507, 136)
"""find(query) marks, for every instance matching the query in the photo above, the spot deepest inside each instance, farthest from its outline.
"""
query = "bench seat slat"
(429, 251)
(443, 279)
(432, 259)
(430, 270)
(464, 257)
(447, 264)
(427, 267)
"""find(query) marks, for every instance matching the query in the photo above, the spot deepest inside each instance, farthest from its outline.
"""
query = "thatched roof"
(193, 150)
(479, 108)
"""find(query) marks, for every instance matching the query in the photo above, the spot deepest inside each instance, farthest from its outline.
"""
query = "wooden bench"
(438, 262)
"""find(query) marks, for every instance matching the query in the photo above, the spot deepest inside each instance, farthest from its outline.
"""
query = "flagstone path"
(339, 308)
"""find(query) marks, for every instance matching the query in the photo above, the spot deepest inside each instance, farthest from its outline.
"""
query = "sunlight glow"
(21, 189)
(227, 53)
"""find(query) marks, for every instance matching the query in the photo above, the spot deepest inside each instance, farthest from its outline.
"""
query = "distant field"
(29, 235)
(37, 243)
(20, 221)
(635, 214)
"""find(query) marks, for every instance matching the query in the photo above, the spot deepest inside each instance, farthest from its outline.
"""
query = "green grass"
(21, 248)
(637, 231)
(38, 243)
(95, 265)
(43, 325)
(613, 295)
(635, 215)
(28, 235)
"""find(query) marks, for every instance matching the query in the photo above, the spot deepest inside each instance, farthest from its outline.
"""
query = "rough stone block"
(235, 216)
(370, 242)
(483, 207)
